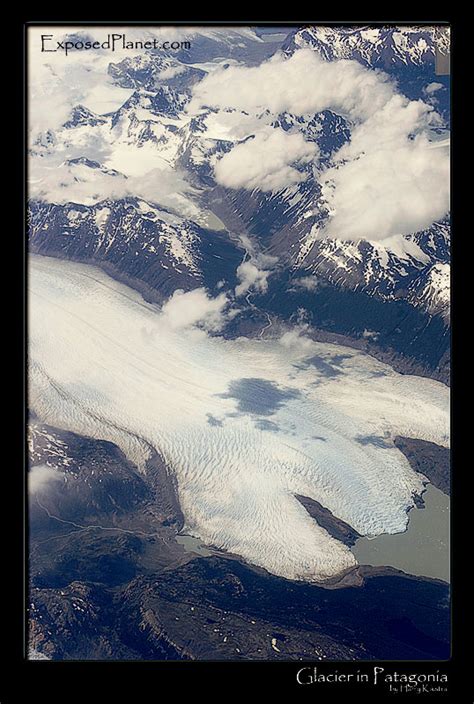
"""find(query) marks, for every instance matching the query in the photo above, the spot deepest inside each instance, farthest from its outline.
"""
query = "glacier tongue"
(244, 425)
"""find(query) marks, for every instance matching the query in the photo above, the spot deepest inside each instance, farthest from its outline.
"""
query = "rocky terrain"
(431, 460)
(109, 581)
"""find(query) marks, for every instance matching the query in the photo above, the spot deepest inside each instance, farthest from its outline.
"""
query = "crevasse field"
(243, 425)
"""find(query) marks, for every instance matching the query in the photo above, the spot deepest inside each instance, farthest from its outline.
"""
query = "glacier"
(244, 425)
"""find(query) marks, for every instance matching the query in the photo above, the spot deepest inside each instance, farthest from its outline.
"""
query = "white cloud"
(265, 161)
(388, 192)
(295, 339)
(309, 283)
(252, 274)
(195, 308)
(432, 88)
(40, 477)
(387, 127)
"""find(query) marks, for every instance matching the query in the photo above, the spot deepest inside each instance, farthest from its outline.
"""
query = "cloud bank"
(388, 192)
(384, 182)
(62, 182)
(302, 85)
(388, 180)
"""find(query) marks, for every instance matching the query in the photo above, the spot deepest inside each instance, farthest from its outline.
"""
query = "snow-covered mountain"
(387, 269)
(430, 291)
(375, 46)
(137, 240)
(135, 189)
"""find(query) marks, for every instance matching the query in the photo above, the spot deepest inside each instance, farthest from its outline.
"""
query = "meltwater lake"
(423, 549)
